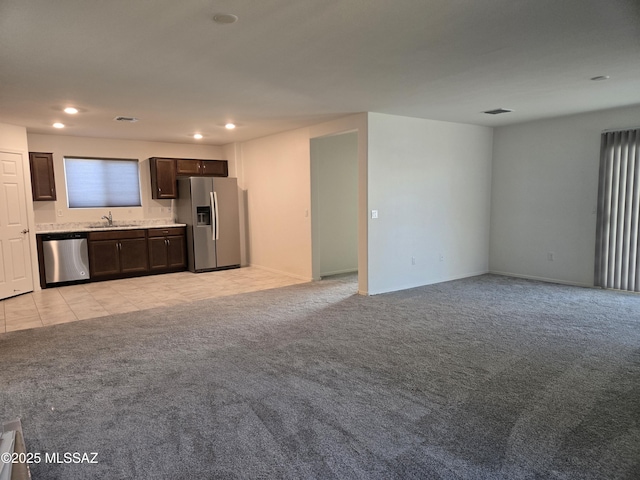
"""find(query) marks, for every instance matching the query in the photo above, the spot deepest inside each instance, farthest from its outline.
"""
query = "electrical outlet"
(413, 260)
(60, 212)
(441, 257)
(374, 213)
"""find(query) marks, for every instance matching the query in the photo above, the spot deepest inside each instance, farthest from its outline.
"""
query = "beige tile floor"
(90, 300)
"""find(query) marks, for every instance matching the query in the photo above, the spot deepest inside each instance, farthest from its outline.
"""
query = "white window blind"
(618, 233)
(102, 182)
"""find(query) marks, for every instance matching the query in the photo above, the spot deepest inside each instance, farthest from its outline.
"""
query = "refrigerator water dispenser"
(203, 215)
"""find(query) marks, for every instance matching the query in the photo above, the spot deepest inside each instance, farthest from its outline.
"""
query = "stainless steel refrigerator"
(209, 207)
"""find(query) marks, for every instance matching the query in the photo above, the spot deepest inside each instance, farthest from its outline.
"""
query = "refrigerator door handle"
(215, 217)
(214, 207)
(215, 198)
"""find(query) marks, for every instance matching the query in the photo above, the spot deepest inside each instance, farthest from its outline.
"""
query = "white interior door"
(15, 252)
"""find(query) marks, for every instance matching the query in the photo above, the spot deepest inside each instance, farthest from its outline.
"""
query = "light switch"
(374, 213)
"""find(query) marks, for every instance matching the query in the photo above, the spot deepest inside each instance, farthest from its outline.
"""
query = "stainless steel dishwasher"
(66, 257)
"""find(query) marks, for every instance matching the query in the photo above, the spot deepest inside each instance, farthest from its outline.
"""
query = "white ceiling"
(291, 63)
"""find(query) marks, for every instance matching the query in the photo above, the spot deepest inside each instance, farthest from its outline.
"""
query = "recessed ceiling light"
(71, 110)
(58, 125)
(197, 136)
(600, 78)
(229, 126)
(498, 111)
(225, 18)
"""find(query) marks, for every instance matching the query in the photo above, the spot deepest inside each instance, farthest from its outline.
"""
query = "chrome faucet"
(108, 219)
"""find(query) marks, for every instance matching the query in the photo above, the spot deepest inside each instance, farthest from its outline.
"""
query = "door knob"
(26, 230)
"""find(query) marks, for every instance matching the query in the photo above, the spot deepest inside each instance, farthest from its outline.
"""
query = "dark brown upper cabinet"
(210, 168)
(188, 167)
(215, 168)
(43, 184)
(164, 172)
(163, 178)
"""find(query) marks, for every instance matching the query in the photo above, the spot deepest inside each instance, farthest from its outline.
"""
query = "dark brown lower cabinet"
(104, 258)
(167, 249)
(133, 252)
(116, 254)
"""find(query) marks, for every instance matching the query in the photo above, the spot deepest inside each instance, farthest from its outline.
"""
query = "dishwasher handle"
(64, 236)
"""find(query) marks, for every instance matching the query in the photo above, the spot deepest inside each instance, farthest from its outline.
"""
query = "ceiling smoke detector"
(498, 111)
(120, 118)
(225, 18)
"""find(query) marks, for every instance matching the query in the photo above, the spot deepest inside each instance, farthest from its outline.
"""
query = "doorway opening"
(334, 204)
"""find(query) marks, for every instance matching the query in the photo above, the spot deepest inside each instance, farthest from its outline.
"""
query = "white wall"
(431, 184)
(544, 195)
(231, 153)
(13, 138)
(334, 189)
(276, 179)
(61, 145)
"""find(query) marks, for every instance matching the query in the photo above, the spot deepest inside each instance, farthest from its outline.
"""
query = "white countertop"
(101, 226)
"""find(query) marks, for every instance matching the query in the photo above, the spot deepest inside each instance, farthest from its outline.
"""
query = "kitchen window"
(102, 182)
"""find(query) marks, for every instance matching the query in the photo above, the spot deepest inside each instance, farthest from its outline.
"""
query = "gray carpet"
(481, 378)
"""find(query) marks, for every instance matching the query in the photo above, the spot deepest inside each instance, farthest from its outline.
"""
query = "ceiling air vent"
(498, 111)
(126, 119)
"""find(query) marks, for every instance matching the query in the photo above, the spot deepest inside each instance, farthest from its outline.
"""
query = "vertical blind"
(617, 260)
(102, 182)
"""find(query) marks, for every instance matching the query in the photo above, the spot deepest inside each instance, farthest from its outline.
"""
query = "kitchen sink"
(115, 226)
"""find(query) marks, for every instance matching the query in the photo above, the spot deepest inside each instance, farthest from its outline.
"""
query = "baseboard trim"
(288, 274)
(542, 279)
(339, 272)
(466, 275)
(442, 280)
